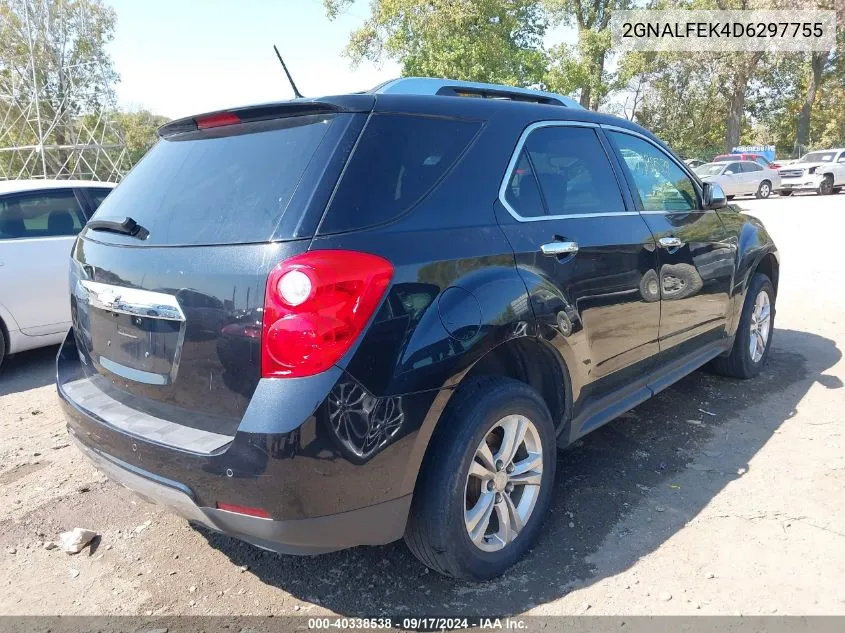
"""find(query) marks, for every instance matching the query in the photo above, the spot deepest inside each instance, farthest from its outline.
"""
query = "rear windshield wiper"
(126, 226)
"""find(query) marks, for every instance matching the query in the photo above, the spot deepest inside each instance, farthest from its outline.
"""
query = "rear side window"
(573, 172)
(226, 186)
(523, 192)
(54, 213)
(398, 160)
(748, 166)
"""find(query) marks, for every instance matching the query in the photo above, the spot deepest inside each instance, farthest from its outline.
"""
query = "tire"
(837, 189)
(785, 192)
(650, 286)
(740, 363)
(2, 345)
(437, 532)
(825, 187)
(764, 190)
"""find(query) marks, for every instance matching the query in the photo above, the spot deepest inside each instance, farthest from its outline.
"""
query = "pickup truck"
(822, 171)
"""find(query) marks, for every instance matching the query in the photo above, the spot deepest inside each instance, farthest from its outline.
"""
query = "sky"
(183, 57)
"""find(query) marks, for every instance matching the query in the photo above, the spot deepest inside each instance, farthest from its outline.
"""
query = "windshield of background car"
(818, 157)
(710, 169)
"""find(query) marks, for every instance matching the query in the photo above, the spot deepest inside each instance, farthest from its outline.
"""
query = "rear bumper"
(378, 524)
(284, 459)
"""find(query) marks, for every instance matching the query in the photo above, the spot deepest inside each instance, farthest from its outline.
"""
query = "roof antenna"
(290, 79)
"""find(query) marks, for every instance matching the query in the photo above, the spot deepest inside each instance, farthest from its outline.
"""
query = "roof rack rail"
(456, 88)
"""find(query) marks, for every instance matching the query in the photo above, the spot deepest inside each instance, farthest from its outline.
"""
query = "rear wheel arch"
(545, 373)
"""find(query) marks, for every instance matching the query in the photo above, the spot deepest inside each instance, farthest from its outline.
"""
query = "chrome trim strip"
(131, 373)
(515, 158)
(132, 301)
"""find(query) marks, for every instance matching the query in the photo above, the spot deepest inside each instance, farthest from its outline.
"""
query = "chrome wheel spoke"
(534, 461)
(478, 518)
(514, 434)
(531, 478)
(480, 471)
(484, 455)
(506, 533)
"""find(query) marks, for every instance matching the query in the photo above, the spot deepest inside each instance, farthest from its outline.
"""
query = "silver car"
(39, 220)
(741, 177)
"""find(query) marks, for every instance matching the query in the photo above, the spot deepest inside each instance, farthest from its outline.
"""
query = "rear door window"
(225, 186)
(749, 167)
(53, 213)
(399, 159)
(573, 170)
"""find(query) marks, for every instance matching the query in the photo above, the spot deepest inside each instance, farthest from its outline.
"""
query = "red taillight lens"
(315, 306)
(251, 512)
(217, 120)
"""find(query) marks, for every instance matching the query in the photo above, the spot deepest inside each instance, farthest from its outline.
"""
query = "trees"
(584, 66)
(54, 68)
(497, 41)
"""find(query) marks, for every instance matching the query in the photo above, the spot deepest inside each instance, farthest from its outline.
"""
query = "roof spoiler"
(266, 112)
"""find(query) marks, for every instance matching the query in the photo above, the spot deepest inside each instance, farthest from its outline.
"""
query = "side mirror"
(714, 196)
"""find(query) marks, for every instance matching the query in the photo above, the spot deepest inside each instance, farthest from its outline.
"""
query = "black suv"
(325, 323)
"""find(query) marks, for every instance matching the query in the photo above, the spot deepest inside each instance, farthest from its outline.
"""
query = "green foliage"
(140, 132)
(498, 41)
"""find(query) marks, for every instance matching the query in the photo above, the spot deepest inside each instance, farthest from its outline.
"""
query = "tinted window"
(749, 167)
(225, 186)
(572, 169)
(399, 158)
(733, 168)
(40, 214)
(762, 160)
(97, 196)
(660, 183)
(523, 193)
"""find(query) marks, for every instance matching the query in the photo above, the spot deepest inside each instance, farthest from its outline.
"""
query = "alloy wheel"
(503, 483)
(760, 326)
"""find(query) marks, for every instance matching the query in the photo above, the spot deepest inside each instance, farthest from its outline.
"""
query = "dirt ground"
(715, 497)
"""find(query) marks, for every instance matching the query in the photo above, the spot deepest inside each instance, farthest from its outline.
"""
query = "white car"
(741, 177)
(822, 172)
(39, 220)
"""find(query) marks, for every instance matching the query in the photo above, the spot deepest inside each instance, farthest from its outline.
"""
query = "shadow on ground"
(28, 370)
(601, 479)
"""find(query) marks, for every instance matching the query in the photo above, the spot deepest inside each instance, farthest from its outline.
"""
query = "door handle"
(556, 249)
(670, 242)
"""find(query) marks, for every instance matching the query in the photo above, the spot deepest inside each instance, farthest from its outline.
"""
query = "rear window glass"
(225, 187)
(399, 158)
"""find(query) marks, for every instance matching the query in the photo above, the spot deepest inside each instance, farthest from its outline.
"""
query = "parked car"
(822, 172)
(757, 158)
(404, 355)
(39, 220)
(741, 178)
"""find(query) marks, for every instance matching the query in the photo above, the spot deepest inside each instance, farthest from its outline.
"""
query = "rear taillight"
(774, 166)
(258, 513)
(315, 307)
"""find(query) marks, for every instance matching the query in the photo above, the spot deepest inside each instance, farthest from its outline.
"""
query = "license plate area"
(136, 334)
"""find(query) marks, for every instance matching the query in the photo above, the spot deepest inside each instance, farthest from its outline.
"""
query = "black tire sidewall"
(743, 335)
(500, 398)
(2, 347)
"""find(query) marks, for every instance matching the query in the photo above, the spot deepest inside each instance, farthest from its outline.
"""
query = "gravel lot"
(717, 497)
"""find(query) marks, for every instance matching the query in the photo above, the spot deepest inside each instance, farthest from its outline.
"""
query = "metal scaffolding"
(44, 131)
